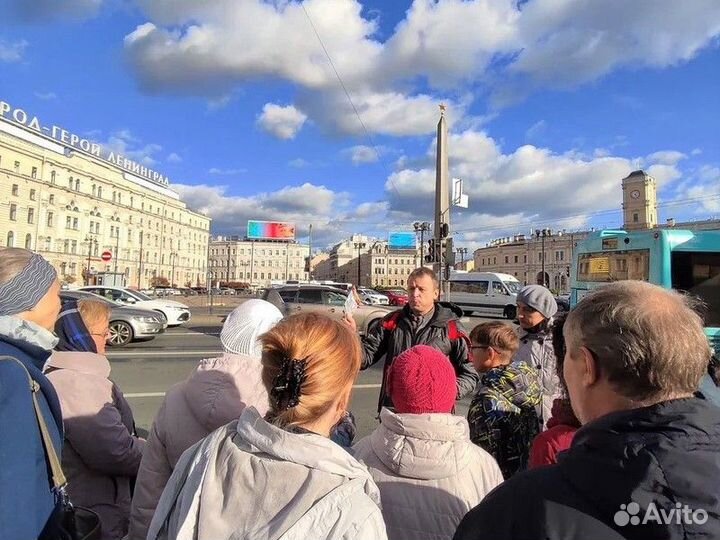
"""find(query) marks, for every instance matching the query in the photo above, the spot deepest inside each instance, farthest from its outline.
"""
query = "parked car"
(371, 296)
(175, 312)
(397, 297)
(329, 300)
(126, 323)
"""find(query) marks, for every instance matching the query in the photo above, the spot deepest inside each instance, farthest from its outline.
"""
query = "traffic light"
(444, 230)
(430, 257)
(447, 251)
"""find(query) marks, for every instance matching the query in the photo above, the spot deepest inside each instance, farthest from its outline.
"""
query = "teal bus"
(687, 261)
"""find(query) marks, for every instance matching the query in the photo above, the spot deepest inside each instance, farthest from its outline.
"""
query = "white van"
(485, 293)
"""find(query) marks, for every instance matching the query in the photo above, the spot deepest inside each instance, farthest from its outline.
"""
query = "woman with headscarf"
(29, 305)
(101, 453)
(279, 476)
(213, 395)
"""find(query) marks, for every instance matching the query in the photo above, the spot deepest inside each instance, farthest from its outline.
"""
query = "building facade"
(72, 206)
(547, 255)
(366, 262)
(258, 263)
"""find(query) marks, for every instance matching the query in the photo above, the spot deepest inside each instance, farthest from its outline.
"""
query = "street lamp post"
(89, 240)
(359, 246)
(541, 234)
(173, 257)
(421, 228)
(462, 252)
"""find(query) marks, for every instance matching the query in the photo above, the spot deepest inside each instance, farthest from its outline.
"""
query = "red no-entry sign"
(106, 256)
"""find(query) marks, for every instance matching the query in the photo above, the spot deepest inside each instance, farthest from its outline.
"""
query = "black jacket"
(658, 457)
(395, 335)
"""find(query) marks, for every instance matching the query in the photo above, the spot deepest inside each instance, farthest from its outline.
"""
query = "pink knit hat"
(422, 380)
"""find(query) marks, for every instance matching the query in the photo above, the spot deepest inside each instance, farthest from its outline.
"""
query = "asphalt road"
(145, 371)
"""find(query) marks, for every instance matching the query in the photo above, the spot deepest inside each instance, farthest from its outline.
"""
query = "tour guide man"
(423, 321)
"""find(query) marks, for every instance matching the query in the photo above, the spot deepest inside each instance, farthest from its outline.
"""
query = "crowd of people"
(600, 424)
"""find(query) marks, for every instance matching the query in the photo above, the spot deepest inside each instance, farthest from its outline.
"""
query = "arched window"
(94, 190)
(99, 192)
(28, 241)
(77, 184)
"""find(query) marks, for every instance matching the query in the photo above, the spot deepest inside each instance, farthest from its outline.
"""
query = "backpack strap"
(58, 477)
(390, 322)
(454, 333)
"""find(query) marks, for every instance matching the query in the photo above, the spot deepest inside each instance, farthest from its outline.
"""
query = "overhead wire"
(347, 93)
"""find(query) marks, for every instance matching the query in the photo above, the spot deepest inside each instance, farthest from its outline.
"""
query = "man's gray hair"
(648, 341)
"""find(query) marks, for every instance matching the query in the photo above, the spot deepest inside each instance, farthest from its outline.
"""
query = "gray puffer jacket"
(536, 350)
(429, 473)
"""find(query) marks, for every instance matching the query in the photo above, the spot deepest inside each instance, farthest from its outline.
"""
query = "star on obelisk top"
(442, 109)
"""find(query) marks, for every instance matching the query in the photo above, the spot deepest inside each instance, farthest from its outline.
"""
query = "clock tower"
(639, 201)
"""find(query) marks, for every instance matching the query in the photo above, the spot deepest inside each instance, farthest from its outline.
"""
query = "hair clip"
(288, 383)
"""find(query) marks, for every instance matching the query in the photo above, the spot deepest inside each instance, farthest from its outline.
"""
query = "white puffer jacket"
(428, 472)
(255, 481)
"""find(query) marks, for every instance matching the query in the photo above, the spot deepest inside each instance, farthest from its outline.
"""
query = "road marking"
(173, 334)
(129, 354)
(162, 394)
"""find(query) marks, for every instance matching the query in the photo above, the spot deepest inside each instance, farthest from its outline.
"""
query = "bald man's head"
(648, 342)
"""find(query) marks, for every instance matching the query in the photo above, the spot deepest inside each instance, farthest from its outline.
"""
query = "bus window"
(698, 274)
(606, 266)
(476, 287)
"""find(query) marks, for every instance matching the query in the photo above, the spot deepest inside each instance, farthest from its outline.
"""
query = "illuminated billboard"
(402, 240)
(270, 230)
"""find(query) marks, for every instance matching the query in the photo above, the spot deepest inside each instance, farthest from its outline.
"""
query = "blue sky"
(550, 104)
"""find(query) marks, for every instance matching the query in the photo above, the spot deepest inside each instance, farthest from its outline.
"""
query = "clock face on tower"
(635, 194)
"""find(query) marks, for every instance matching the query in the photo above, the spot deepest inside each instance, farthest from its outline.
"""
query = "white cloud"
(282, 122)
(360, 154)
(174, 158)
(703, 190)
(12, 52)
(303, 205)
(385, 113)
(666, 157)
(526, 186)
(563, 44)
(696, 152)
(125, 143)
(536, 130)
(226, 172)
(298, 163)
(507, 47)
(45, 96)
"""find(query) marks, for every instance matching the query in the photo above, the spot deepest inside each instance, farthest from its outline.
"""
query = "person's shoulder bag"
(73, 522)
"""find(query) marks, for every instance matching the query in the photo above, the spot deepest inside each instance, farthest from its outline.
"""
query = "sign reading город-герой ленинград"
(69, 139)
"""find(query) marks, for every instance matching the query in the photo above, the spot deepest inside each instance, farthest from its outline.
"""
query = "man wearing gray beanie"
(536, 307)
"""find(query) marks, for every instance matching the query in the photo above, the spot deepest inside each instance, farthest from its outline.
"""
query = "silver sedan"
(126, 323)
